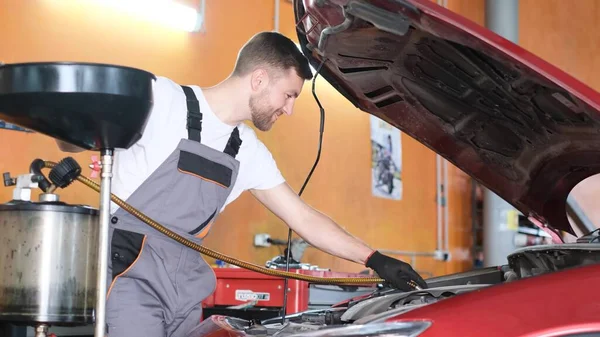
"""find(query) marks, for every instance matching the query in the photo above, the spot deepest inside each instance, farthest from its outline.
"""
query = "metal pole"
(578, 216)
(405, 252)
(101, 283)
(438, 186)
(446, 187)
(440, 197)
(442, 188)
(499, 227)
(502, 17)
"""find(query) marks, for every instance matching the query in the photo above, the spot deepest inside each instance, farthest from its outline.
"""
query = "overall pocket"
(200, 190)
(205, 169)
(125, 249)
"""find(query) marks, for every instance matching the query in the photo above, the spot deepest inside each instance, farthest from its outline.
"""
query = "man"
(195, 157)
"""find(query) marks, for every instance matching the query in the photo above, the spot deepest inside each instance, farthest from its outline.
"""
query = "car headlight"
(392, 329)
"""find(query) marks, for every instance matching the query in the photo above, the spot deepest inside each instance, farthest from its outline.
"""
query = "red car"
(524, 129)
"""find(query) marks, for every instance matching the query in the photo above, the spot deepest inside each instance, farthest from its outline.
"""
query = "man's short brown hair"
(274, 50)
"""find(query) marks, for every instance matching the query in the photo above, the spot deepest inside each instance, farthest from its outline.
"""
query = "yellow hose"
(206, 251)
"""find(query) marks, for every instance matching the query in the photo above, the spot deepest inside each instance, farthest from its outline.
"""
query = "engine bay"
(542, 259)
(384, 302)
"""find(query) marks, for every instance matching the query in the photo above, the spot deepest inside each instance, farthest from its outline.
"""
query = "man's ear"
(259, 79)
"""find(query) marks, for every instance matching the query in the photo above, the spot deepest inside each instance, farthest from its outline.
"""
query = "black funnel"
(93, 106)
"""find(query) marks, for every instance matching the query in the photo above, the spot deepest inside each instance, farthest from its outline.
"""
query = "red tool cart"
(250, 295)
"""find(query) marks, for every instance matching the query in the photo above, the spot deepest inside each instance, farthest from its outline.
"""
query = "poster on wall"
(386, 160)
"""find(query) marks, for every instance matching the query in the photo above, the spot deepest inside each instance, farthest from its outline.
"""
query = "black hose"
(36, 168)
(289, 239)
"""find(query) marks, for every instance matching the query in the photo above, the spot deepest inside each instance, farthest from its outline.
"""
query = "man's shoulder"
(258, 164)
(249, 137)
(247, 133)
(165, 92)
(165, 85)
(163, 120)
(252, 144)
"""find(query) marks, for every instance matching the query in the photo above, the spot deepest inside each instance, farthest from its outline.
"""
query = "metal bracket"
(325, 33)
(390, 22)
(23, 183)
(306, 15)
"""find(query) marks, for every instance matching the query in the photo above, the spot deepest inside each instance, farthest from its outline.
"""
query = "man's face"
(277, 98)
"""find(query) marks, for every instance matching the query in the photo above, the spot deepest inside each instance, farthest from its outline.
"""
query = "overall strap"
(194, 116)
(194, 123)
(234, 143)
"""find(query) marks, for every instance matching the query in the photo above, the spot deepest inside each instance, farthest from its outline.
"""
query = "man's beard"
(262, 113)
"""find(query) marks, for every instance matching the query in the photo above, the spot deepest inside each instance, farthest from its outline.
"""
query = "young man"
(195, 157)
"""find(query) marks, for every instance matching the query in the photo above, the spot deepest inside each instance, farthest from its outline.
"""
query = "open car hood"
(521, 127)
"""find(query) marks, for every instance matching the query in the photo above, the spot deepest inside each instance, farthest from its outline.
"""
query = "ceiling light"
(165, 12)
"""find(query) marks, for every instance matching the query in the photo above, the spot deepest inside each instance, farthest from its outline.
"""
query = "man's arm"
(313, 226)
(323, 233)
(66, 147)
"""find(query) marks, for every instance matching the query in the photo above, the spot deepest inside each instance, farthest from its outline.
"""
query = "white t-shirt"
(164, 130)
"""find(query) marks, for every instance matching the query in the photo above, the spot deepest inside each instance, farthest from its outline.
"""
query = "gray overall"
(155, 284)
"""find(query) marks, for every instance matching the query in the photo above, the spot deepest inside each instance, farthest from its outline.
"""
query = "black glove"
(399, 274)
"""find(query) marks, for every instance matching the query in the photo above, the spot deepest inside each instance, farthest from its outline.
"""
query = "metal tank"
(48, 259)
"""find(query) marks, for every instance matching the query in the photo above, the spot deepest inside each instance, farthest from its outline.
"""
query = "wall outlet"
(262, 240)
(441, 255)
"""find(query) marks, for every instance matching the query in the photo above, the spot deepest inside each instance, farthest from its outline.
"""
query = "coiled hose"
(209, 252)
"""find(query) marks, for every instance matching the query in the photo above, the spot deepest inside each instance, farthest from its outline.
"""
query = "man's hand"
(399, 274)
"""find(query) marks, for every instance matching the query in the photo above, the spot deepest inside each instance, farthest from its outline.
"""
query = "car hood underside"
(521, 127)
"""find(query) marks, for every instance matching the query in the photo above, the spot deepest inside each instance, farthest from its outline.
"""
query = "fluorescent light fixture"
(165, 12)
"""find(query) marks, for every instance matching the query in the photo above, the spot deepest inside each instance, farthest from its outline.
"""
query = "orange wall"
(51, 30)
